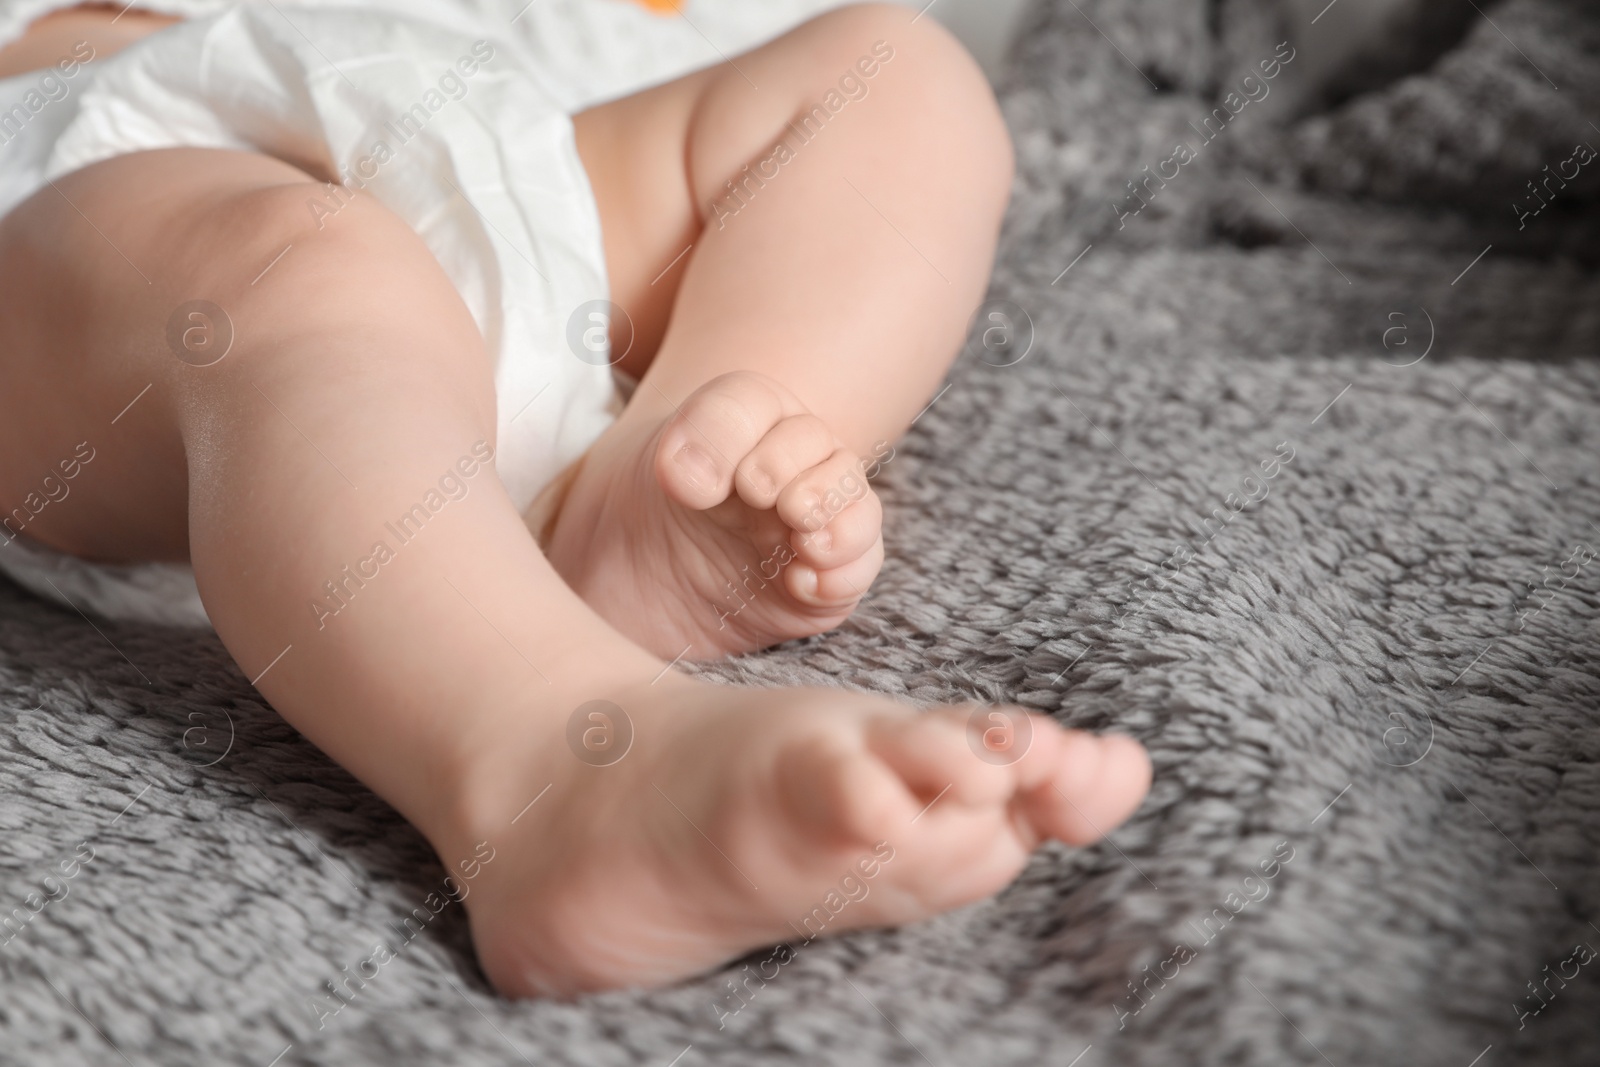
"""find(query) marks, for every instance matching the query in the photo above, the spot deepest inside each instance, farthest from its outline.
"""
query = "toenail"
(805, 579)
(761, 482)
(822, 540)
(697, 466)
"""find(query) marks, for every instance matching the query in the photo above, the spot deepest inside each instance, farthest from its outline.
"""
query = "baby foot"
(736, 523)
(741, 818)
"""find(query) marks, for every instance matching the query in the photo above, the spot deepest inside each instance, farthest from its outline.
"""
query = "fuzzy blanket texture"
(1283, 460)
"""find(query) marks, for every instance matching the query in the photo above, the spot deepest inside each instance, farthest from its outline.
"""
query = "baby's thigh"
(83, 443)
(147, 297)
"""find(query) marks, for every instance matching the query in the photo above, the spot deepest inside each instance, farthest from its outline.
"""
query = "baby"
(472, 594)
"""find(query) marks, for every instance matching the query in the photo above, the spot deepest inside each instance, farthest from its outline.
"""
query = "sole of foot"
(734, 814)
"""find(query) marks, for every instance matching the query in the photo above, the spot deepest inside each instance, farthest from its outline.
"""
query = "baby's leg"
(356, 388)
(845, 264)
(839, 192)
(452, 677)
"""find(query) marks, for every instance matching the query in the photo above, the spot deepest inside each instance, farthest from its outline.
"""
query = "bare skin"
(106, 28)
(735, 452)
(448, 685)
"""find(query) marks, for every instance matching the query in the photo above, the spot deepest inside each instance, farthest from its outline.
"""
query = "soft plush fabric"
(1347, 682)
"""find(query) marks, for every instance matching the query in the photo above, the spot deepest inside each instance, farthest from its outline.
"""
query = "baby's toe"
(836, 588)
(1091, 785)
(717, 426)
(817, 498)
(837, 794)
(934, 759)
(793, 446)
(846, 537)
(836, 524)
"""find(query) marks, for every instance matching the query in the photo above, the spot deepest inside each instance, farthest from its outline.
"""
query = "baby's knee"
(294, 254)
(310, 244)
(316, 278)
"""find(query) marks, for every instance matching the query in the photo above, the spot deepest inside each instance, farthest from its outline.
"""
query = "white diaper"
(453, 115)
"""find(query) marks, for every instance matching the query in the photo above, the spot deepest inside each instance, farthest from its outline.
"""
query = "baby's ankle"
(509, 761)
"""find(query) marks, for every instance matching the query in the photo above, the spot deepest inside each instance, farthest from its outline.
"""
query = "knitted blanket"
(1276, 447)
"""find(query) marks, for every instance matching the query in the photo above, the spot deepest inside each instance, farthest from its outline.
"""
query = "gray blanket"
(1284, 461)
